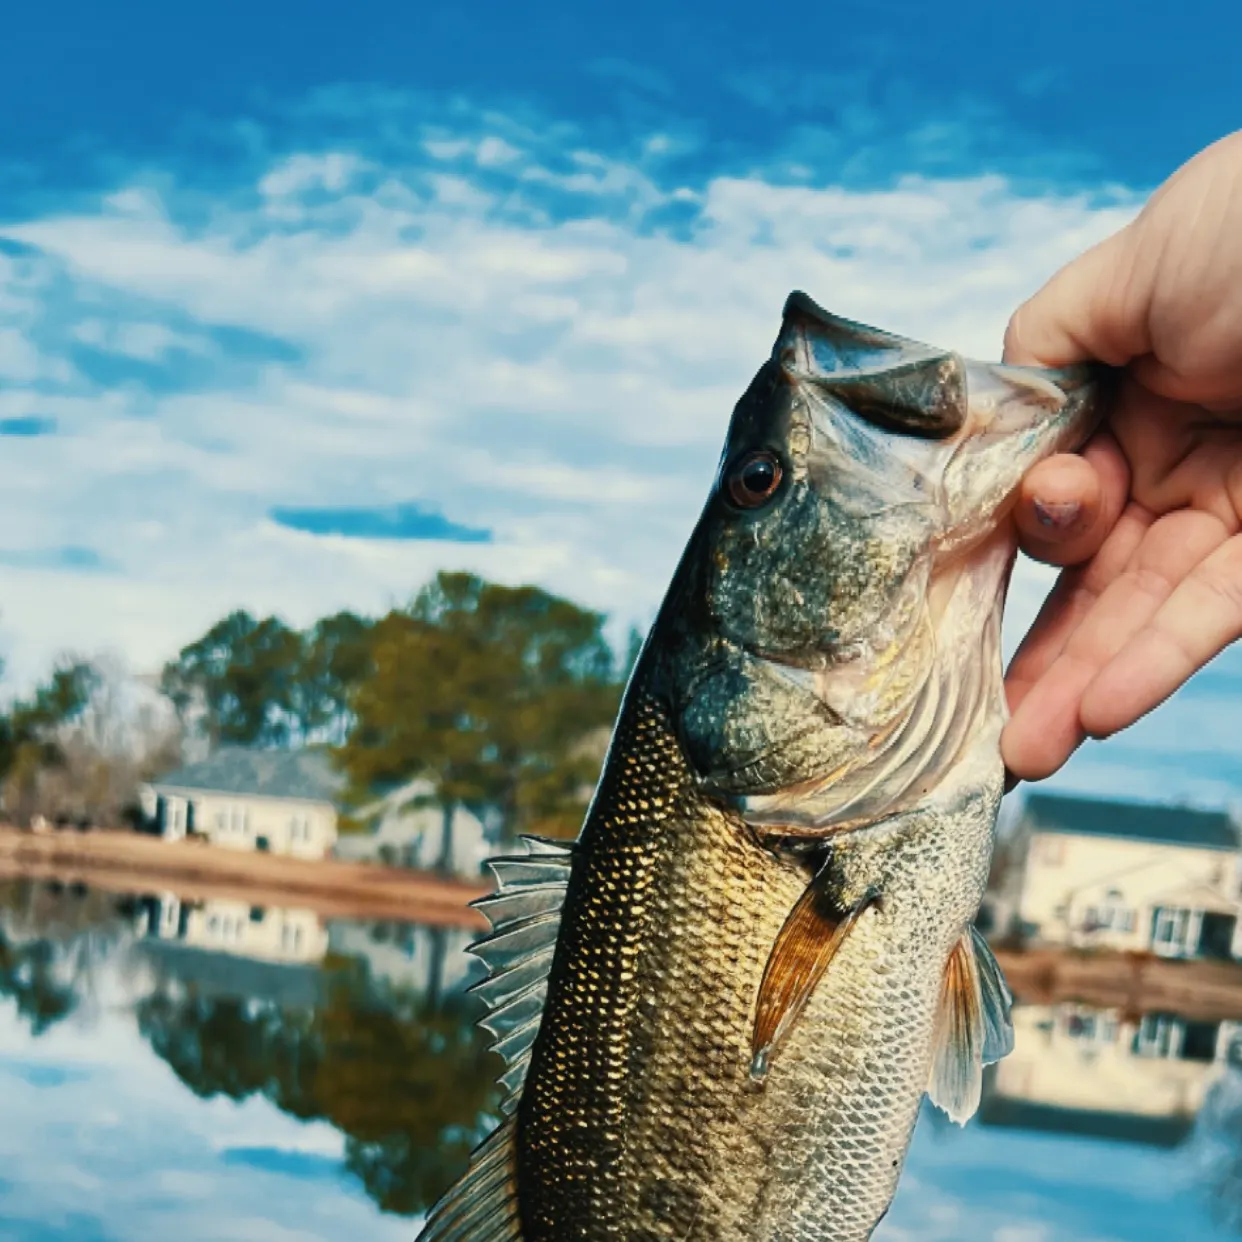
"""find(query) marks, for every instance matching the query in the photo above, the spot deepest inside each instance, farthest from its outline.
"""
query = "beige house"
(1129, 876)
(282, 802)
(1100, 1072)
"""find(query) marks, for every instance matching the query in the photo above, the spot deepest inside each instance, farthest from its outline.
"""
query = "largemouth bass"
(721, 1007)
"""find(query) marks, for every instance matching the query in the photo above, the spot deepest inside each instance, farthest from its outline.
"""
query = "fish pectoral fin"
(483, 1205)
(973, 1027)
(814, 931)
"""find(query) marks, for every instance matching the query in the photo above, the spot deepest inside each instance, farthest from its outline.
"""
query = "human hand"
(1147, 520)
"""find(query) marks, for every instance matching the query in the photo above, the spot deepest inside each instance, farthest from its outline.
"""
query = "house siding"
(297, 827)
(1091, 891)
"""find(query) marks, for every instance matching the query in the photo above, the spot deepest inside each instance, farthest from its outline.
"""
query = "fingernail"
(1057, 514)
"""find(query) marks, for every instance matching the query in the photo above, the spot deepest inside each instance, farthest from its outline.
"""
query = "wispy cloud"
(487, 311)
(70, 558)
(406, 521)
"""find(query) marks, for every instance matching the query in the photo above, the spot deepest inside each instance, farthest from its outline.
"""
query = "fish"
(721, 1007)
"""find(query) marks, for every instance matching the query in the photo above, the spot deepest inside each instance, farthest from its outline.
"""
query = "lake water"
(213, 1072)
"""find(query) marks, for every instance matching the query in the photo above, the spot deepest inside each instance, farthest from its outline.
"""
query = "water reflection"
(365, 1028)
(1140, 1078)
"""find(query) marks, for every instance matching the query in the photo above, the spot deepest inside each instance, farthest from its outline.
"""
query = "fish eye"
(752, 480)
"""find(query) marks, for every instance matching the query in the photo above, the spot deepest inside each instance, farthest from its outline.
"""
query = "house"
(406, 828)
(283, 802)
(1130, 877)
(1106, 1074)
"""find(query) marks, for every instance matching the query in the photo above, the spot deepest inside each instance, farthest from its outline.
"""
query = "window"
(1199, 1041)
(1112, 914)
(1157, 1036)
(1170, 930)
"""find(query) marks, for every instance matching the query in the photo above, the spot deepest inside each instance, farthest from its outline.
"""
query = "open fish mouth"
(904, 462)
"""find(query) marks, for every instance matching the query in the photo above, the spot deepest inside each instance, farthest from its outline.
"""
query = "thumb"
(1092, 309)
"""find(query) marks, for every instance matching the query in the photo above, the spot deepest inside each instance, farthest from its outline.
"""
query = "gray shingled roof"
(1136, 821)
(307, 775)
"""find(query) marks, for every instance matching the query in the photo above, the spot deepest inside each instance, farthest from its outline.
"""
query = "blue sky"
(295, 310)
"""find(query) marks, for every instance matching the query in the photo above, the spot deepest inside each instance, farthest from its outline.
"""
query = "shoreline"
(124, 862)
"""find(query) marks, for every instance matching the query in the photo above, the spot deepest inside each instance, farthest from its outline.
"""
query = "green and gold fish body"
(722, 1006)
(639, 1113)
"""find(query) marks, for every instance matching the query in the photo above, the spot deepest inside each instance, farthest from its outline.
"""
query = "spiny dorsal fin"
(973, 1027)
(483, 1205)
(525, 914)
(814, 931)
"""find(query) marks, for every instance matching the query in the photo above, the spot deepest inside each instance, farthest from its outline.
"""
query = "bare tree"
(89, 768)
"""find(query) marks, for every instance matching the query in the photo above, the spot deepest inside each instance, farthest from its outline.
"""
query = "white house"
(1130, 877)
(1136, 1078)
(283, 802)
(406, 828)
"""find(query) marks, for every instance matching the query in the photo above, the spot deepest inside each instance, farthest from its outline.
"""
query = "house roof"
(1134, 821)
(304, 775)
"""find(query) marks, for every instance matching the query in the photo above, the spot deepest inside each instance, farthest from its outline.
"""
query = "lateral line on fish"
(804, 948)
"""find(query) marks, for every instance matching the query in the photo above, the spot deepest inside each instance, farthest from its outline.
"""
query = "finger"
(1200, 619)
(1070, 601)
(1091, 309)
(1068, 504)
(1047, 727)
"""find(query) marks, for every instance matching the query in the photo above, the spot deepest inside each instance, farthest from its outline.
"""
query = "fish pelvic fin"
(973, 1027)
(483, 1205)
(815, 929)
(525, 914)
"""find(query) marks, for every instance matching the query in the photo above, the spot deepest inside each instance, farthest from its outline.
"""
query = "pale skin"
(1147, 521)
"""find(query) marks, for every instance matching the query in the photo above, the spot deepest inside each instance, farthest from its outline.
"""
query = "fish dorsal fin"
(808, 941)
(483, 1205)
(525, 914)
(973, 1027)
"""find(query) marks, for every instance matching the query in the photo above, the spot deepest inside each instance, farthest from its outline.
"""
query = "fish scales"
(759, 956)
(638, 1114)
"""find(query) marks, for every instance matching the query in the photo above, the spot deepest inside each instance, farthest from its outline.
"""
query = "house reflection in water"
(1078, 1070)
(429, 961)
(266, 933)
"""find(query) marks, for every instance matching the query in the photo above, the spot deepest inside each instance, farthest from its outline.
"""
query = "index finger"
(1093, 309)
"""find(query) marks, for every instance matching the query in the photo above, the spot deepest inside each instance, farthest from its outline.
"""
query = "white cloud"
(544, 342)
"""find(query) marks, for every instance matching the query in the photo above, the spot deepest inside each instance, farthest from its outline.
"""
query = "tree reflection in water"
(52, 938)
(1218, 1137)
(401, 1071)
(408, 1082)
